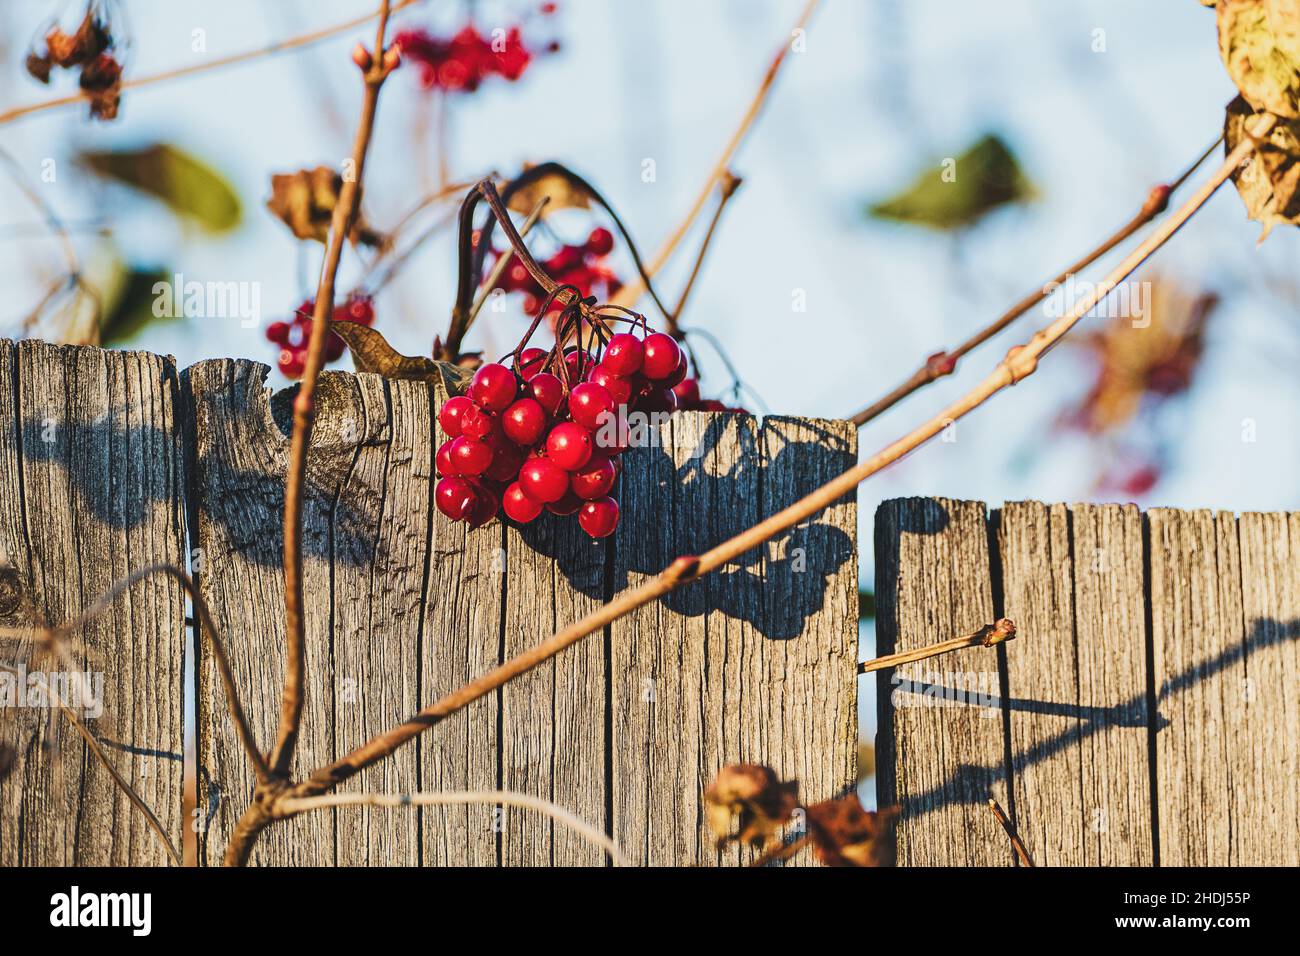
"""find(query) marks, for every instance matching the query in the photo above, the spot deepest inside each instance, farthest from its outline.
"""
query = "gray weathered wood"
(940, 746)
(753, 663)
(90, 490)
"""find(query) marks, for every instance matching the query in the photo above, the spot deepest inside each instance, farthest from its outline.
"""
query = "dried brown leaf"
(1259, 41)
(304, 201)
(562, 192)
(844, 834)
(1268, 182)
(752, 797)
(372, 353)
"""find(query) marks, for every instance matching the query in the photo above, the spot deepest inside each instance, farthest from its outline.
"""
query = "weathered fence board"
(1149, 700)
(90, 490)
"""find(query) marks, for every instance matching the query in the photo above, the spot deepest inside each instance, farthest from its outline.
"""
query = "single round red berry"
(624, 355)
(600, 242)
(566, 505)
(477, 424)
(661, 356)
(657, 399)
(524, 421)
(569, 445)
(506, 459)
(543, 480)
(278, 332)
(455, 497)
(486, 504)
(594, 479)
(589, 404)
(548, 390)
(518, 506)
(678, 375)
(599, 518)
(470, 457)
(531, 362)
(619, 388)
(579, 363)
(493, 387)
(443, 461)
(687, 392)
(451, 413)
(292, 362)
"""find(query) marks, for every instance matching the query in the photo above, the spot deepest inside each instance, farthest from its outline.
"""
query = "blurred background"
(837, 268)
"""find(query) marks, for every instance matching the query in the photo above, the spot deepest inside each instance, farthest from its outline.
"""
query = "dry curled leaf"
(844, 834)
(1259, 41)
(561, 191)
(1268, 182)
(753, 797)
(304, 201)
(372, 353)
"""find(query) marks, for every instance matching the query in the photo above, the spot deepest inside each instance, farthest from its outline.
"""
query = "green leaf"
(1260, 44)
(960, 191)
(128, 303)
(1269, 182)
(190, 187)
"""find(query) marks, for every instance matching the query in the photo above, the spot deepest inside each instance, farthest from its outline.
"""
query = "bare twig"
(293, 806)
(944, 363)
(730, 183)
(989, 635)
(628, 295)
(279, 46)
(1019, 363)
(1016, 843)
(304, 409)
(499, 267)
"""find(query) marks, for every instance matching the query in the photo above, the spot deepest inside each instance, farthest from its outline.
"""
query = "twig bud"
(361, 57)
(392, 58)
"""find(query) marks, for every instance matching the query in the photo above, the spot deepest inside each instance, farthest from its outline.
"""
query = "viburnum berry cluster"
(293, 336)
(460, 63)
(547, 433)
(582, 266)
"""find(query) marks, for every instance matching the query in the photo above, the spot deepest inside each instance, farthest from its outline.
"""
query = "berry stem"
(499, 267)
(944, 363)
(631, 292)
(1020, 363)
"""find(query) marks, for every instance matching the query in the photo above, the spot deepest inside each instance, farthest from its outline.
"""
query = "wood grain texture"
(1111, 642)
(940, 746)
(1266, 801)
(753, 663)
(91, 476)
(1043, 681)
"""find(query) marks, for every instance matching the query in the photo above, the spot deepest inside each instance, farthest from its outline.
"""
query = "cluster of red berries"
(524, 440)
(582, 267)
(293, 336)
(463, 62)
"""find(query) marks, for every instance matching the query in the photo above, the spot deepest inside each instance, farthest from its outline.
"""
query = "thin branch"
(628, 295)
(989, 635)
(292, 807)
(1020, 363)
(1016, 843)
(280, 46)
(304, 408)
(499, 267)
(944, 363)
(730, 183)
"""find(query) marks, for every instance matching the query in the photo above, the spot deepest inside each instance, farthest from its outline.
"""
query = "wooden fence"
(1148, 712)
(112, 461)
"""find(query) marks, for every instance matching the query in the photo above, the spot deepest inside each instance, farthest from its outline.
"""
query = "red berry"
(579, 363)
(543, 480)
(486, 504)
(506, 459)
(292, 362)
(477, 424)
(678, 375)
(531, 362)
(624, 355)
(661, 356)
(278, 332)
(548, 390)
(470, 457)
(524, 421)
(518, 506)
(599, 518)
(687, 392)
(594, 479)
(619, 388)
(600, 242)
(569, 445)
(657, 399)
(589, 404)
(493, 387)
(455, 497)
(566, 259)
(443, 461)
(451, 413)
(566, 505)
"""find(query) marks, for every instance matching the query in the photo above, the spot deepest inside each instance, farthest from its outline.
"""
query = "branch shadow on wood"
(963, 785)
